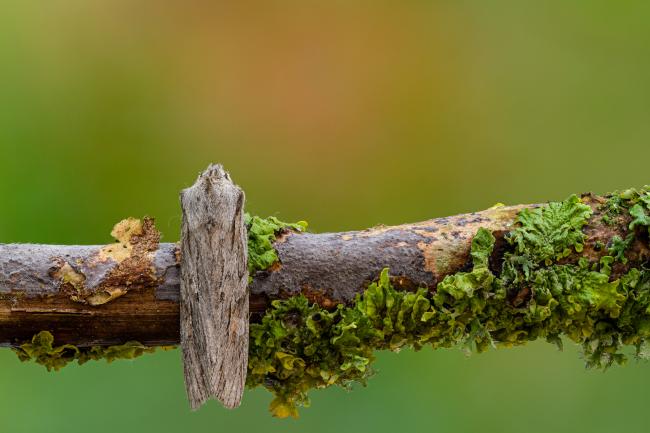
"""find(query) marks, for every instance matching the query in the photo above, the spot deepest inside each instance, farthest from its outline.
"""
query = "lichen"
(299, 346)
(136, 240)
(551, 232)
(122, 232)
(262, 232)
(131, 258)
(41, 349)
(639, 215)
(68, 275)
(619, 246)
(464, 284)
(635, 201)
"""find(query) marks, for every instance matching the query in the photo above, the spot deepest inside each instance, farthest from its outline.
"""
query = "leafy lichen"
(619, 246)
(41, 349)
(299, 346)
(635, 201)
(262, 232)
(639, 215)
(551, 232)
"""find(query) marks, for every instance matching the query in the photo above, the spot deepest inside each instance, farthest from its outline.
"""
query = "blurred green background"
(344, 113)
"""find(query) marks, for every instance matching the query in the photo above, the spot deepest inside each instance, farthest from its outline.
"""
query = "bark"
(327, 268)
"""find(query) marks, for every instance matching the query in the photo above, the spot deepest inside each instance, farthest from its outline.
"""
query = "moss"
(299, 346)
(41, 349)
(262, 232)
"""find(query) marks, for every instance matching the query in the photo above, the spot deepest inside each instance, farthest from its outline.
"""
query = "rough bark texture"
(214, 290)
(34, 296)
(328, 268)
(331, 268)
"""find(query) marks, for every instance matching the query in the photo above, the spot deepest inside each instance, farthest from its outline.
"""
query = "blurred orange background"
(347, 114)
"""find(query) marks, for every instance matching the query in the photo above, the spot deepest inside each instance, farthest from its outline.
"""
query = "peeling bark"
(328, 268)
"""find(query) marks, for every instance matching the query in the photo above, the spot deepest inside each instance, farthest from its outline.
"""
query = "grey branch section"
(332, 268)
(27, 268)
(214, 295)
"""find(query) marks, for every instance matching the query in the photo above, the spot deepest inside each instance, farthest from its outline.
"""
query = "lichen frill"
(41, 349)
(262, 232)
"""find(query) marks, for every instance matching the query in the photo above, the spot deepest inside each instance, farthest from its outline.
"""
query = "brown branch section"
(105, 295)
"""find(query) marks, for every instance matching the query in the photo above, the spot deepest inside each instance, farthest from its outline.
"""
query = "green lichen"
(639, 215)
(619, 246)
(261, 234)
(41, 350)
(551, 232)
(636, 202)
(464, 284)
(300, 346)
(615, 204)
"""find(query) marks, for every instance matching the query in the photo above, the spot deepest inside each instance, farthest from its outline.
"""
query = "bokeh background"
(344, 113)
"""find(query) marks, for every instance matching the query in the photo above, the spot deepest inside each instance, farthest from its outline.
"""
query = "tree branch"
(106, 295)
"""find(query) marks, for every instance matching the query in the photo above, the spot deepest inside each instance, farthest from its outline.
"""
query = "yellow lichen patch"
(115, 268)
(67, 275)
(123, 232)
(105, 295)
(127, 228)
